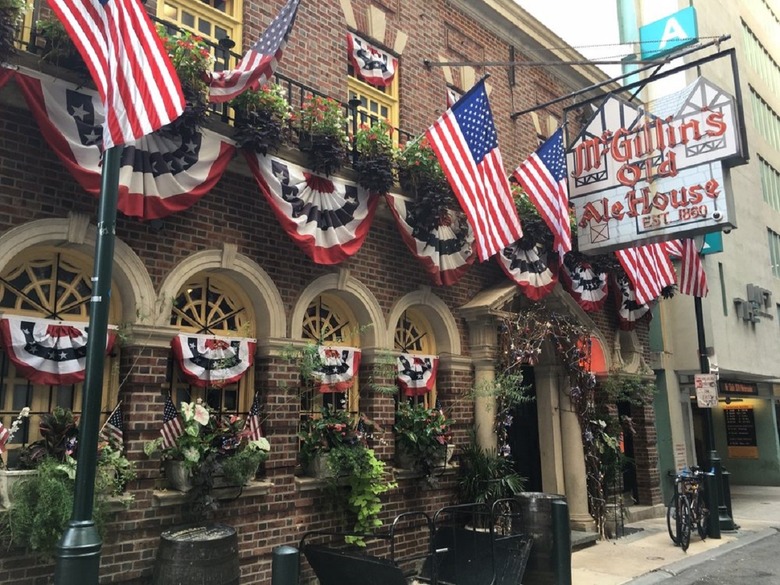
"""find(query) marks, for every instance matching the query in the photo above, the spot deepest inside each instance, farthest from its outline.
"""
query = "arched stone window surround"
(265, 300)
(75, 232)
(357, 296)
(437, 313)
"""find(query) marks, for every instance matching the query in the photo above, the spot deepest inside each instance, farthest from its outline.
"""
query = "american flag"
(133, 74)
(4, 435)
(253, 421)
(693, 278)
(171, 428)
(113, 429)
(649, 270)
(466, 144)
(543, 177)
(260, 61)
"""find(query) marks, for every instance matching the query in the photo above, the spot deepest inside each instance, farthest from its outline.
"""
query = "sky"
(588, 23)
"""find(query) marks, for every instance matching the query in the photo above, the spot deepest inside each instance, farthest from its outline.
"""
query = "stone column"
(574, 464)
(483, 340)
(548, 416)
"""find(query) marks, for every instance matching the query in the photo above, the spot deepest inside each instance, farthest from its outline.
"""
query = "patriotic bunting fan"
(445, 252)
(207, 360)
(339, 366)
(372, 65)
(630, 312)
(584, 284)
(48, 352)
(529, 269)
(328, 219)
(416, 373)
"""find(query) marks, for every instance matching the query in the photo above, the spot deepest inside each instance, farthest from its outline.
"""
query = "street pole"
(78, 552)
(724, 521)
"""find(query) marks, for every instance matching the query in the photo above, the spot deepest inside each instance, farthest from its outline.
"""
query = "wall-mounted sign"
(706, 390)
(639, 176)
(669, 33)
(738, 388)
(740, 432)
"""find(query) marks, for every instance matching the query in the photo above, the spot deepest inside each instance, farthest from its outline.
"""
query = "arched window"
(328, 321)
(414, 335)
(49, 283)
(210, 305)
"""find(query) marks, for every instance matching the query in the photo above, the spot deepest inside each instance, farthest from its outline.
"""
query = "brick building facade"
(232, 236)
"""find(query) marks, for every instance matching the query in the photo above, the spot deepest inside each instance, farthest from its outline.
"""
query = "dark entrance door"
(524, 437)
(629, 464)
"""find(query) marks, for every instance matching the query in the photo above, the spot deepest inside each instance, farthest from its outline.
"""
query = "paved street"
(648, 556)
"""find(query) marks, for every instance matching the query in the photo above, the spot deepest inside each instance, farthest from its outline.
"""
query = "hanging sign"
(639, 176)
(668, 34)
(706, 390)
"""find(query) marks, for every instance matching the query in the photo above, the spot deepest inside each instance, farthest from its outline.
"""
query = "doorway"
(523, 436)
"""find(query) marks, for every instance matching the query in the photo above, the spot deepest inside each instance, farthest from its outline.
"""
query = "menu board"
(741, 432)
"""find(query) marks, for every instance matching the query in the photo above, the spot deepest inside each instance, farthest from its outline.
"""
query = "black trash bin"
(204, 554)
(538, 520)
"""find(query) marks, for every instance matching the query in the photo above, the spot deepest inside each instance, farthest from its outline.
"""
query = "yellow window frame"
(359, 89)
(230, 22)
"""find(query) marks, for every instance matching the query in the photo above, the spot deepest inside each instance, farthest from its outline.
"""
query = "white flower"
(260, 444)
(201, 415)
(191, 454)
(25, 412)
(187, 409)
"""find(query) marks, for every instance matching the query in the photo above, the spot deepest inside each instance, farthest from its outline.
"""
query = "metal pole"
(719, 516)
(78, 552)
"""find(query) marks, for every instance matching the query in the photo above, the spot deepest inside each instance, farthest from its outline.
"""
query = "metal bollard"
(711, 491)
(561, 552)
(285, 564)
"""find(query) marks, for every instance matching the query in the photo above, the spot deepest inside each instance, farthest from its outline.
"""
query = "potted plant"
(260, 118)
(375, 156)
(200, 459)
(486, 476)
(422, 438)
(11, 14)
(319, 435)
(55, 45)
(321, 125)
(9, 474)
(192, 60)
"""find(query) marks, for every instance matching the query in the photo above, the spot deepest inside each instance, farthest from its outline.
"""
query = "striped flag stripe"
(649, 270)
(549, 206)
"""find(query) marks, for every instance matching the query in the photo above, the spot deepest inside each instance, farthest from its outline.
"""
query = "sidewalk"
(650, 554)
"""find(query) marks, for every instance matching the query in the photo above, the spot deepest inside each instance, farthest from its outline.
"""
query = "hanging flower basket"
(374, 164)
(322, 135)
(260, 118)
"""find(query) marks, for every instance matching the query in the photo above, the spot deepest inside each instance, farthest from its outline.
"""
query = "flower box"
(8, 479)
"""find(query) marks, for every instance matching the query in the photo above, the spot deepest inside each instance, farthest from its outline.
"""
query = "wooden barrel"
(205, 554)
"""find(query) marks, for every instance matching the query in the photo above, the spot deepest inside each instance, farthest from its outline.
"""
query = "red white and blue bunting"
(529, 269)
(372, 65)
(328, 219)
(416, 373)
(338, 369)
(5, 76)
(208, 360)
(629, 311)
(446, 253)
(160, 174)
(584, 284)
(48, 352)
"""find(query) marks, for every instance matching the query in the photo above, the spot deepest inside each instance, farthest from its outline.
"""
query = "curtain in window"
(48, 352)
(209, 360)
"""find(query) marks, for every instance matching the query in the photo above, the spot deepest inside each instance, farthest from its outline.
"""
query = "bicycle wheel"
(671, 519)
(685, 523)
(702, 517)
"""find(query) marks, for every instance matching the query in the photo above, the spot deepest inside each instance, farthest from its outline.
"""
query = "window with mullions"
(209, 305)
(375, 102)
(212, 19)
(328, 321)
(413, 335)
(48, 283)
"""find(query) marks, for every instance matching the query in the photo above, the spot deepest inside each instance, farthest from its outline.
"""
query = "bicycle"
(687, 508)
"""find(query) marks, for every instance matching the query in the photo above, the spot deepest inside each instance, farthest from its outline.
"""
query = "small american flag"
(253, 421)
(171, 428)
(133, 74)
(543, 177)
(649, 270)
(693, 278)
(4, 434)
(466, 144)
(260, 61)
(113, 429)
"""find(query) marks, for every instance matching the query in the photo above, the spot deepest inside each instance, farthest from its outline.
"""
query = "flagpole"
(78, 552)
